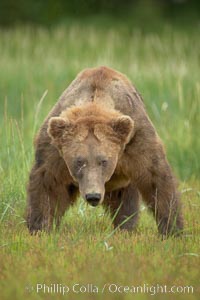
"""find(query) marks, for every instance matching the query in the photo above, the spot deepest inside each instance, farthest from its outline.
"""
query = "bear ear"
(123, 126)
(56, 127)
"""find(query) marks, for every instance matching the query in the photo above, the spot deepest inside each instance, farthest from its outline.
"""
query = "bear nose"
(93, 198)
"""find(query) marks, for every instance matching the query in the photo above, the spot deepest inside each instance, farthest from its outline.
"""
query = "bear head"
(91, 139)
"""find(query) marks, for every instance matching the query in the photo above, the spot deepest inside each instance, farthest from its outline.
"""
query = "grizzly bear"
(98, 142)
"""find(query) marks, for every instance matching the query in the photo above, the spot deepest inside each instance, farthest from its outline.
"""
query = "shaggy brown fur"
(99, 139)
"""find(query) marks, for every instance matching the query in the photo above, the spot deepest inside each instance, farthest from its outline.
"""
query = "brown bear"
(99, 142)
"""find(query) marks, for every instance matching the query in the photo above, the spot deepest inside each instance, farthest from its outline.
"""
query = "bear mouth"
(94, 204)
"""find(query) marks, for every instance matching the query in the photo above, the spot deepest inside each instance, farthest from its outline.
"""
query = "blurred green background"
(52, 12)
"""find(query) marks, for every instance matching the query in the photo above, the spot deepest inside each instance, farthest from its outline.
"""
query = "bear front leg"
(46, 200)
(159, 191)
(123, 205)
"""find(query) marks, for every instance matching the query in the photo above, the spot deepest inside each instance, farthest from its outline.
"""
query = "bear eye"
(102, 162)
(80, 162)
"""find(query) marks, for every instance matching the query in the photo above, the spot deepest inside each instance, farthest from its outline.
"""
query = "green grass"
(36, 66)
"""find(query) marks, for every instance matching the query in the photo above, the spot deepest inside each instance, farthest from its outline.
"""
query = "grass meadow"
(36, 65)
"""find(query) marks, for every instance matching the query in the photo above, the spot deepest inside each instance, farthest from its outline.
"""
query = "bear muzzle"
(93, 198)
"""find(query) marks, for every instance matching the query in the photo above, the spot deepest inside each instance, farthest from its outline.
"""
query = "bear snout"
(93, 198)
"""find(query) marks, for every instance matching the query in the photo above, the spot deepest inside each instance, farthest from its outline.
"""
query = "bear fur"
(98, 140)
